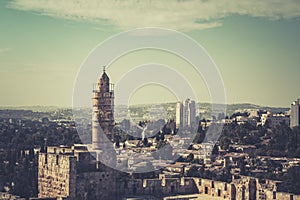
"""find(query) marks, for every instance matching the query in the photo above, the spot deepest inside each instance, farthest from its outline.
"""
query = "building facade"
(295, 114)
(179, 114)
(185, 113)
(274, 120)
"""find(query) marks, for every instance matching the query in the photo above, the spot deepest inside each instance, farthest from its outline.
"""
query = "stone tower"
(103, 113)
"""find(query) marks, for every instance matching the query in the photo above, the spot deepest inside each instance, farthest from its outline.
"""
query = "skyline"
(42, 46)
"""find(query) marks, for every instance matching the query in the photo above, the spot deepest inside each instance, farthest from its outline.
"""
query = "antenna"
(104, 68)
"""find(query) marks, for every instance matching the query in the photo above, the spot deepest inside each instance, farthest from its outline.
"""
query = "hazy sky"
(255, 44)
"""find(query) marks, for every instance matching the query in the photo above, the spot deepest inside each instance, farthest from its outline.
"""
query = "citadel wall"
(73, 173)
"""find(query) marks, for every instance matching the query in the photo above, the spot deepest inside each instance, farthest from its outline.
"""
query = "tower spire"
(103, 111)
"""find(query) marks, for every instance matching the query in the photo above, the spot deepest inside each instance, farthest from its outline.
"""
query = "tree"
(225, 142)
(117, 143)
(291, 180)
(215, 150)
(242, 166)
(145, 141)
(193, 172)
(31, 153)
(190, 157)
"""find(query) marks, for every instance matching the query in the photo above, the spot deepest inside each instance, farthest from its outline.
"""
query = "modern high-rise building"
(185, 113)
(295, 114)
(103, 112)
(190, 112)
(179, 114)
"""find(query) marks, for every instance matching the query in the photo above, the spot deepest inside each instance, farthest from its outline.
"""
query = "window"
(206, 190)
(57, 159)
(219, 193)
(274, 195)
(172, 189)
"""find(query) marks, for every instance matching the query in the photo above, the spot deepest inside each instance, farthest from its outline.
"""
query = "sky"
(255, 45)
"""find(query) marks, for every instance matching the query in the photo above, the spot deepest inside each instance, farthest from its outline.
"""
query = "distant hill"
(34, 108)
(203, 108)
(231, 108)
(137, 111)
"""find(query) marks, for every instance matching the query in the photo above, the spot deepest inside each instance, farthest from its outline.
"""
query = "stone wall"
(96, 185)
(62, 175)
(158, 187)
(271, 195)
(74, 174)
(215, 188)
(56, 175)
(246, 188)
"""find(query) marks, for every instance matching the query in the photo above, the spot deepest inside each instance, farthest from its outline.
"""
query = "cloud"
(182, 15)
(3, 50)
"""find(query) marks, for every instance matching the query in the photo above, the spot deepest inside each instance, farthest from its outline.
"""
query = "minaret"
(103, 112)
